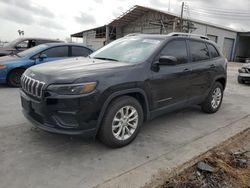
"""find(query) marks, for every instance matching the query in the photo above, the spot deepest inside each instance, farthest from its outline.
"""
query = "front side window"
(80, 51)
(177, 49)
(198, 51)
(61, 51)
(214, 53)
(23, 44)
(128, 49)
(32, 51)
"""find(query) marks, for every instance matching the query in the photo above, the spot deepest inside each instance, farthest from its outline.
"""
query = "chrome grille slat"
(32, 86)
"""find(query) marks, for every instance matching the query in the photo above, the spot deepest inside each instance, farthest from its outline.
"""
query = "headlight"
(2, 67)
(73, 89)
(242, 70)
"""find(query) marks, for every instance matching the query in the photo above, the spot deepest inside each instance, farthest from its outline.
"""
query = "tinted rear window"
(80, 51)
(199, 51)
(214, 53)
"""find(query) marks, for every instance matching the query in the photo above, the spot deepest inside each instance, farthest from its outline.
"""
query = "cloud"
(98, 1)
(85, 18)
(16, 15)
(119, 11)
(27, 5)
(50, 24)
(23, 12)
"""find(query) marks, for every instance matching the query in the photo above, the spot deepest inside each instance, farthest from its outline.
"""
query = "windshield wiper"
(104, 58)
(17, 55)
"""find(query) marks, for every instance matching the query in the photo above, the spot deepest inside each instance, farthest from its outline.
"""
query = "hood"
(6, 50)
(67, 71)
(5, 60)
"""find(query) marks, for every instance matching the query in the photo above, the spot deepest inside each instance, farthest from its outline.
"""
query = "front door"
(53, 54)
(170, 84)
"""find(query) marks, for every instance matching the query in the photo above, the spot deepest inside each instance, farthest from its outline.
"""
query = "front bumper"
(74, 116)
(244, 76)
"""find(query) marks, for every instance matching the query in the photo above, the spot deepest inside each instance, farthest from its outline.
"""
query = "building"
(146, 20)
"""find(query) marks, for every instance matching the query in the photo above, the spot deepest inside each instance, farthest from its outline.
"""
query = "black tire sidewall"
(240, 81)
(209, 99)
(12, 75)
(106, 134)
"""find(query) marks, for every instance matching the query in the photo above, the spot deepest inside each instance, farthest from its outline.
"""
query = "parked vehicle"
(244, 74)
(13, 66)
(22, 44)
(131, 80)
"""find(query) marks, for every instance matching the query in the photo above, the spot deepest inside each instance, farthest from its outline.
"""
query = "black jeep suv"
(133, 79)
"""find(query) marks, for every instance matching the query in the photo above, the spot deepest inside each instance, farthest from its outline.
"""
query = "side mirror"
(17, 47)
(42, 57)
(167, 60)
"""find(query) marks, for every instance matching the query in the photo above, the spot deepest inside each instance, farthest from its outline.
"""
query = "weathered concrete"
(33, 158)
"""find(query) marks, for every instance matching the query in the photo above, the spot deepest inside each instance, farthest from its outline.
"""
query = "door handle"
(212, 66)
(186, 70)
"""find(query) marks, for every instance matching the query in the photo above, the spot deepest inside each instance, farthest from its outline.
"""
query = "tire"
(14, 77)
(109, 131)
(240, 81)
(214, 99)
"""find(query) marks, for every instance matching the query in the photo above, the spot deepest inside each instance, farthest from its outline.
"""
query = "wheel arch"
(221, 80)
(137, 93)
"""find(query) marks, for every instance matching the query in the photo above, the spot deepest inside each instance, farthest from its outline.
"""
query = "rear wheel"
(214, 99)
(121, 122)
(14, 77)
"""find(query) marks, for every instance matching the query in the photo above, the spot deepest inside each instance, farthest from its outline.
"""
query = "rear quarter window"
(213, 51)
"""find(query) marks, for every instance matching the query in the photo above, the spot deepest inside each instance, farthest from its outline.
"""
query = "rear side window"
(80, 51)
(177, 49)
(198, 51)
(61, 51)
(213, 51)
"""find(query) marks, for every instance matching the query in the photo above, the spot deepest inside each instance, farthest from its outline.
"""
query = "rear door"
(200, 65)
(170, 84)
(79, 51)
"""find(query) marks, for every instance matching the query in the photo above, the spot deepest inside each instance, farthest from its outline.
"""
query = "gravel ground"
(227, 166)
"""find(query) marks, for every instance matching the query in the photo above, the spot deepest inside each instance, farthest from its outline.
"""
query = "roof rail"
(188, 35)
(133, 34)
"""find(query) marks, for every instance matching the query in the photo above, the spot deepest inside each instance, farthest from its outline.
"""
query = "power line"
(219, 12)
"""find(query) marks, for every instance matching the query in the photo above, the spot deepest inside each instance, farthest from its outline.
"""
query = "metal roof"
(137, 11)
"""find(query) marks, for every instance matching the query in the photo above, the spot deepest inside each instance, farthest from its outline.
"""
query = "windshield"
(13, 43)
(131, 50)
(32, 51)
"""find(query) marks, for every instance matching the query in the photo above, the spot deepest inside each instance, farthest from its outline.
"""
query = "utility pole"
(168, 5)
(182, 9)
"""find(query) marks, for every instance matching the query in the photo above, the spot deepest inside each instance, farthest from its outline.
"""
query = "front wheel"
(121, 122)
(14, 77)
(214, 99)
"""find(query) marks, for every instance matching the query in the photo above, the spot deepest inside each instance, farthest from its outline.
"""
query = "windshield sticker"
(151, 41)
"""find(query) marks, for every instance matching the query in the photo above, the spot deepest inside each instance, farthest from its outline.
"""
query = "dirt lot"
(226, 166)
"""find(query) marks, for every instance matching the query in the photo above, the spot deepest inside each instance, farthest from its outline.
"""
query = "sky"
(58, 19)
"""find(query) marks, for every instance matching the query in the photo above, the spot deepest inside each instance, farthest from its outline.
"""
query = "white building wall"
(92, 42)
(221, 33)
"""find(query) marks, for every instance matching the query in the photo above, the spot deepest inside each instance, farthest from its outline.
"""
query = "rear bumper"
(64, 116)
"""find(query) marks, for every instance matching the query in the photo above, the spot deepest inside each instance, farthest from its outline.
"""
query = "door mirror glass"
(42, 57)
(167, 60)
